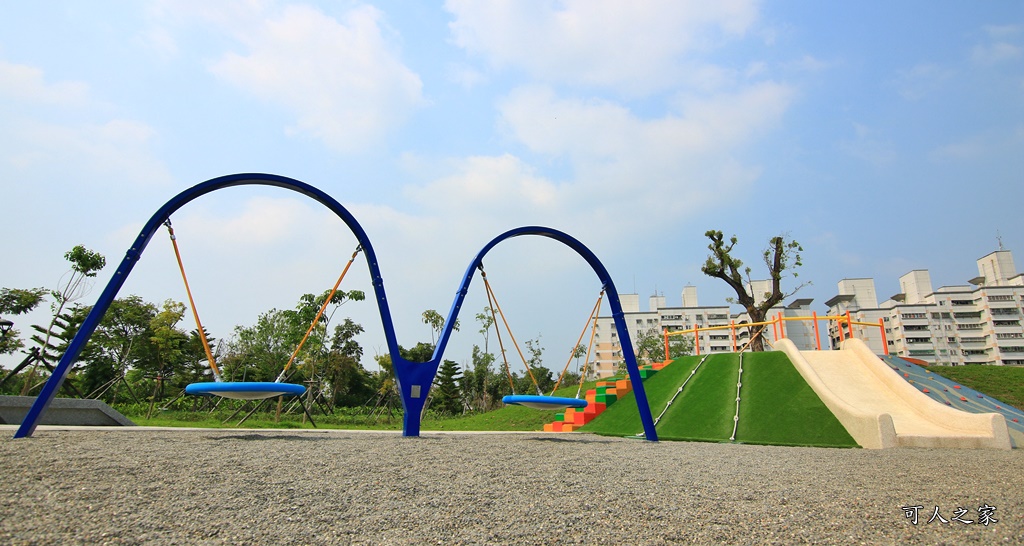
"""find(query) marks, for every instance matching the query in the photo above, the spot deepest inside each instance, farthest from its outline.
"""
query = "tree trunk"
(757, 332)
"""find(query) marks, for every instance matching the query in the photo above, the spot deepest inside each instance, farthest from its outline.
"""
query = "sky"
(884, 137)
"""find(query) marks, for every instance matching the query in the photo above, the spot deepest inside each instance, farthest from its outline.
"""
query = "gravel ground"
(153, 486)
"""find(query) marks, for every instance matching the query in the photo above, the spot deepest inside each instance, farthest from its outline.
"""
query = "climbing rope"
(681, 387)
(736, 417)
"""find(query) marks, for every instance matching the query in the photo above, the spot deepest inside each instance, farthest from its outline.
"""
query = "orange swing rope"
(590, 348)
(491, 297)
(195, 312)
(497, 331)
(572, 353)
(319, 314)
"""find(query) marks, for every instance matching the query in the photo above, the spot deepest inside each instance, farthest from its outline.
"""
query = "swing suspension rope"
(492, 299)
(192, 303)
(494, 320)
(202, 331)
(591, 322)
(319, 314)
(496, 311)
(590, 344)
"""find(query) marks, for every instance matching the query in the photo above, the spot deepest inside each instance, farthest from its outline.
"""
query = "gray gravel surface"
(131, 486)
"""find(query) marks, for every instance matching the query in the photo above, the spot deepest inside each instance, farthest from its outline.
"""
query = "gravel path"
(134, 486)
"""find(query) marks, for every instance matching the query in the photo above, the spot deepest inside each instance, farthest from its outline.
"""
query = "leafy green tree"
(260, 352)
(349, 382)
(780, 256)
(543, 378)
(436, 322)
(486, 320)
(421, 352)
(13, 302)
(476, 380)
(122, 340)
(650, 346)
(446, 396)
(170, 341)
(85, 264)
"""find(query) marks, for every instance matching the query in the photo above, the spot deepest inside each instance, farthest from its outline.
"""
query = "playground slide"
(879, 409)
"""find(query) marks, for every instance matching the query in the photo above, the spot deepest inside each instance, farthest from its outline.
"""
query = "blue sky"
(884, 137)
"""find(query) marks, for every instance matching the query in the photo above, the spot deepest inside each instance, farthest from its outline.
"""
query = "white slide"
(879, 409)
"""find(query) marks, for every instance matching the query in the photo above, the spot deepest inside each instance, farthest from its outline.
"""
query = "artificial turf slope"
(776, 404)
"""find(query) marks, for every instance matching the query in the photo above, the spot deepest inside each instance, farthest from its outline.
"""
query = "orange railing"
(778, 324)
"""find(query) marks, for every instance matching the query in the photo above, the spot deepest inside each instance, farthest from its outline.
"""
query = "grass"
(777, 406)
(1005, 383)
(508, 418)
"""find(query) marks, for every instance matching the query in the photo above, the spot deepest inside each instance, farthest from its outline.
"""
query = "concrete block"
(63, 411)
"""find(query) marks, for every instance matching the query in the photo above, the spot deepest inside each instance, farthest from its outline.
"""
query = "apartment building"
(718, 329)
(975, 323)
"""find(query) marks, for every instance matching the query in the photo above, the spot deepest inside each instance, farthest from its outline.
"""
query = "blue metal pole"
(613, 300)
(414, 379)
(133, 254)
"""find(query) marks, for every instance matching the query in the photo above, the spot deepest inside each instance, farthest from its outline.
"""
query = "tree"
(436, 322)
(477, 378)
(543, 380)
(17, 301)
(349, 383)
(447, 398)
(260, 352)
(85, 264)
(780, 255)
(650, 346)
(122, 340)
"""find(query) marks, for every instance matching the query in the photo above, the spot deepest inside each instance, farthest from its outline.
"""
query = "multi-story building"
(718, 329)
(977, 323)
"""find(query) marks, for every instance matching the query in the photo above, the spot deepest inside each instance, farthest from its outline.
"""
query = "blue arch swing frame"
(414, 378)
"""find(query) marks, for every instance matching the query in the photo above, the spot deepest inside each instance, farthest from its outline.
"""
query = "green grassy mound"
(1005, 383)
(777, 406)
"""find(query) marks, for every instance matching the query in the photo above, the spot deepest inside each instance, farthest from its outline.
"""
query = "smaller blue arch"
(416, 373)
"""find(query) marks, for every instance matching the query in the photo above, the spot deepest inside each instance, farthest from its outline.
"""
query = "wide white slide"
(879, 409)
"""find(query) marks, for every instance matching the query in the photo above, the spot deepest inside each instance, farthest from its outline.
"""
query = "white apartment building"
(608, 352)
(976, 323)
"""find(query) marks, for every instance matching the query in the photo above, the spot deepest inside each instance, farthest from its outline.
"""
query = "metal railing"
(778, 324)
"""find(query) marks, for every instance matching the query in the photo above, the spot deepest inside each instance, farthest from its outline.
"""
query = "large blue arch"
(414, 379)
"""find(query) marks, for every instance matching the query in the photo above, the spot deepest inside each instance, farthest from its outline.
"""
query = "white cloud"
(483, 186)
(867, 147)
(680, 162)
(87, 145)
(342, 78)
(633, 46)
(959, 151)
(610, 145)
(26, 83)
(922, 80)
(995, 53)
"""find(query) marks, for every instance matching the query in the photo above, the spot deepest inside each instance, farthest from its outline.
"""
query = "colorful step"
(598, 399)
